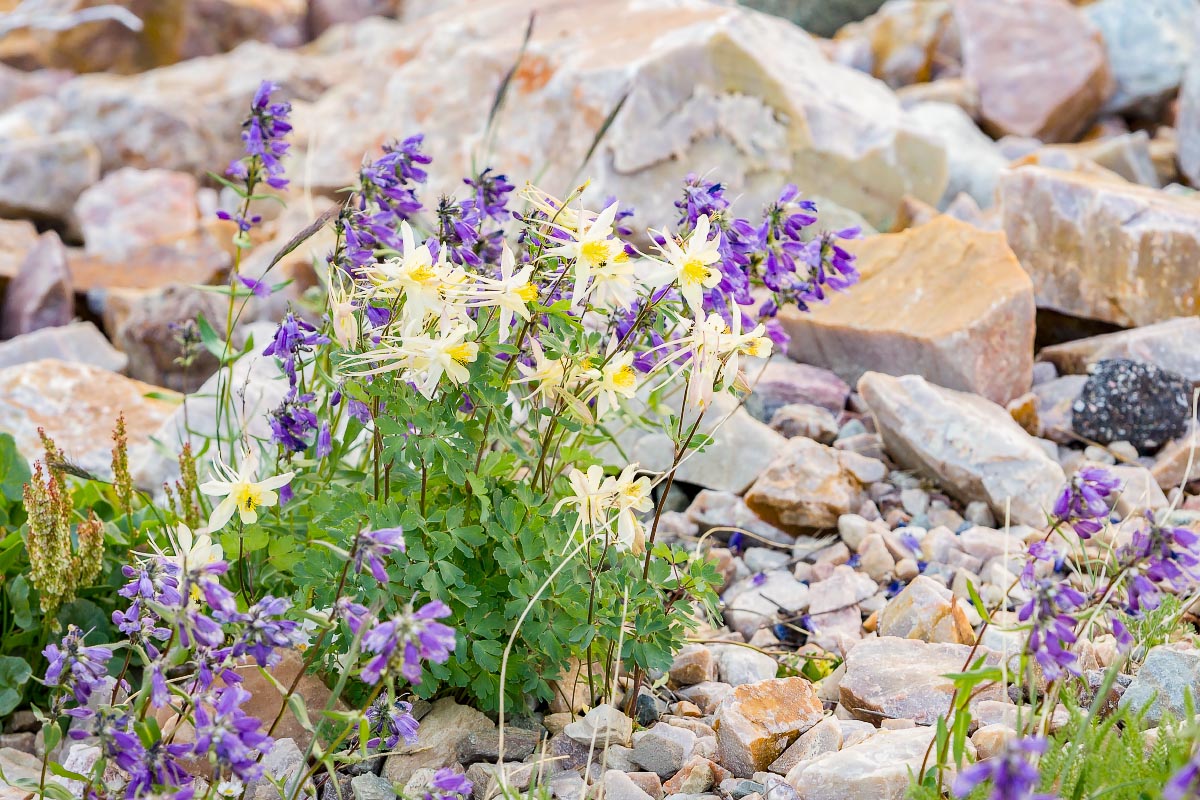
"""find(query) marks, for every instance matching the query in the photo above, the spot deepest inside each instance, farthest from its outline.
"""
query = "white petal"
(222, 514)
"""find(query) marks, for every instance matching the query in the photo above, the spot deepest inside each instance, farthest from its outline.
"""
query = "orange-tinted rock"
(902, 43)
(17, 237)
(194, 260)
(944, 300)
(928, 611)
(130, 209)
(1040, 66)
(757, 722)
(1103, 250)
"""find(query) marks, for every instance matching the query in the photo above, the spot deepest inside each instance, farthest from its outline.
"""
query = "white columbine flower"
(589, 495)
(630, 495)
(190, 549)
(617, 379)
(413, 274)
(240, 492)
(691, 264)
(591, 247)
(547, 373)
(511, 293)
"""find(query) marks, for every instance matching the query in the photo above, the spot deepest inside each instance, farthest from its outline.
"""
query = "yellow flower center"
(423, 274)
(248, 496)
(528, 292)
(463, 353)
(693, 271)
(595, 252)
(625, 378)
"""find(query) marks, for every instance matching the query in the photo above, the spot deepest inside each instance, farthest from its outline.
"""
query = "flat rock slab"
(79, 342)
(1162, 683)
(1170, 345)
(876, 768)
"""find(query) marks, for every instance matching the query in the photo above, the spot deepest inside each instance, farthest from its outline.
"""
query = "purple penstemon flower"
(374, 546)
(154, 579)
(401, 643)
(1084, 502)
(263, 135)
(265, 632)
(292, 338)
(293, 422)
(232, 736)
(78, 668)
(260, 289)
(1052, 628)
(389, 722)
(1159, 555)
(448, 785)
(1011, 774)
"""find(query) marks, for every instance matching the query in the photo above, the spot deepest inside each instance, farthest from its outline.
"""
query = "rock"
(696, 776)
(750, 606)
(1039, 64)
(617, 785)
(1165, 344)
(215, 26)
(442, 731)
(132, 209)
(693, 664)
(18, 765)
(40, 295)
(1148, 45)
(723, 84)
(1134, 402)
(836, 631)
(902, 43)
(844, 588)
(324, 14)
(877, 768)
(782, 382)
(1055, 401)
(41, 177)
(971, 446)
(1139, 491)
(1170, 468)
(756, 722)
(928, 611)
(1127, 156)
(740, 449)
(484, 745)
(973, 160)
(283, 763)
(663, 749)
(78, 406)
(824, 737)
(17, 238)
(1187, 121)
(820, 17)
(1100, 249)
(1166, 677)
(78, 342)
(265, 700)
(875, 558)
(602, 726)
(712, 509)
(990, 740)
(370, 786)
(949, 329)
(810, 485)
(490, 781)
(891, 678)
(741, 665)
(801, 419)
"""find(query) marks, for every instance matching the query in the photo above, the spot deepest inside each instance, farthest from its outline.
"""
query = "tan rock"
(956, 91)
(131, 209)
(693, 664)
(757, 721)
(17, 237)
(1166, 344)
(40, 294)
(972, 446)
(944, 300)
(78, 405)
(824, 737)
(1039, 64)
(18, 765)
(810, 485)
(1103, 250)
(877, 768)
(1055, 400)
(1171, 464)
(900, 44)
(1024, 411)
(442, 729)
(1125, 157)
(724, 85)
(928, 611)
(897, 678)
(990, 740)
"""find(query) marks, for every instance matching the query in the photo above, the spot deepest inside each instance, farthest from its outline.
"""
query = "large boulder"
(878, 767)
(1169, 345)
(701, 86)
(1149, 44)
(42, 176)
(1040, 66)
(1103, 249)
(970, 445)
(39, 295)
(1167, 684)
(974, 161)
(944, 300)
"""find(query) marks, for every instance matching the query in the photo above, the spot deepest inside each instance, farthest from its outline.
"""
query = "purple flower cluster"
(1159, 555)
(389, 722)
(1084, 502)
(1184, 784)
(263, 134)
(75, 667)
(401, 643)
(374, 546)
(293, 422)
(227, 732)
(1011, 774)
(1052, 628)
(448, 785)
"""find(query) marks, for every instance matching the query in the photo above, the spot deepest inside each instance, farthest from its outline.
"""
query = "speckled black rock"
(1132, 401)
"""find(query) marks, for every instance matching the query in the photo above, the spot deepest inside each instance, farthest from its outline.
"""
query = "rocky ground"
(1030, 283)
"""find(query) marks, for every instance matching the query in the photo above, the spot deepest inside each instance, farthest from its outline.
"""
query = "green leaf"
(211, 341)
(977, 601)
(14, 471)
(18, 601)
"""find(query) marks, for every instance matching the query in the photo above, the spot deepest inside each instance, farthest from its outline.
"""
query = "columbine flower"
(76, 667)
(1012, 775)
(630, 495)
(341, 312)
(240, 491)
(448, 785)
(615, 380)
(412, 275)
(191, 549)
(449, 356)
(401, 643)
(690, 264)
(547, 373)
(589, 495)
(511, 293)
(1084, 502)
(591, 246)
(374, 546)
(394, 719)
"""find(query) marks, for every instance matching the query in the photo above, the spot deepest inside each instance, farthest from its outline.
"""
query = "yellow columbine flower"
(240, 492)
(690, 264)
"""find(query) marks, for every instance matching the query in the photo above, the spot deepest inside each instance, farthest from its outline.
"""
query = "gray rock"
(1165, 679)
(282, 763)
(802, 419)
(40, 295)
(372, 787)
(973, 159)
(822, 17)
(442, 731)
(844, 588)
(781, 382)
(619, 786)
(824, 737)
(1149, 46)
(663, 749)
(877, 768)
(970, 445)
(41, 177)
(489, 781)
(738, 665)
(1187, 122)
(603, 725)
(484, 745)
(80, 342)
(750, 606)
(712, 509)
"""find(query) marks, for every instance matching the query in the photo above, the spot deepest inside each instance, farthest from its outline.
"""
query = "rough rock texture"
(822, 17)
(824, 737)
(1101, 249)
(892, 678)
(39, 295)
(131, 209)
(756, 722)
(42, 176)
(943, 300)
(442, 729)
(1149, 45)
(1039, 64)
(1128, 401)
(810, 485)
(1187, 122)
(974, 161)
(743, 92)
(17, 237)
(904, 42)
(928, 611)
(751, 605)
(1161, 684)
(78, 405)
(781, 382)
(1127, 156)
(876, 768)
(1169, 345)
(1055, 401)
(80, 342)
(972, 446)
